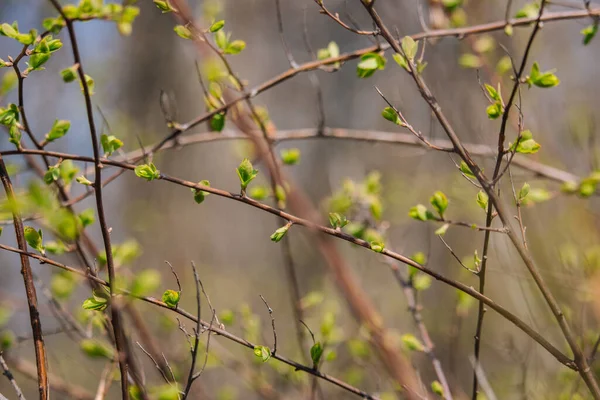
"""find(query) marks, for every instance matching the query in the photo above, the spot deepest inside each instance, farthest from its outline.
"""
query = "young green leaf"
(95, 303)
(482, 200)
(337, 220)
(439, 201)
(216, 26)
(147, 172)
(84, 181)
(464, 168)
(401, 61)
(589, 32)
(391, 115)
(526, 145)
(494, 111)
(410, 342)
(316, 351)
(171, 298)
(164, 6)
(409, 47)
(52, 174)
(96, 349)
(524, 192)
(69, 74)
(199, 195)
(183, 32)
(545, 79)
(441, 231)
(437, 388)
(468, 60)
(262, 352)
(369, 63)
(145, 282)
(217, 122)
(420, 213)
(87, 217)
(377, 247)
(35, 239)
(58, 130)
(259, 193)
(280, 233)
(110, 144)
(246, 173)
(290, 156)
(235, 47)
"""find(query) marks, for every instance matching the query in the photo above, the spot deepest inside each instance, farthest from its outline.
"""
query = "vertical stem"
(34, 315)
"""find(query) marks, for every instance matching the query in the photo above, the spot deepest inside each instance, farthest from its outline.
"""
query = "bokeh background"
(230, 241)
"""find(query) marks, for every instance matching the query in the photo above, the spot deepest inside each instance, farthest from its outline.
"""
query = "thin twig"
(11, 378)
(274, 351)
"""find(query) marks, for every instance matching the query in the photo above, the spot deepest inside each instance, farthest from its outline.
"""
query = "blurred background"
(229, 241)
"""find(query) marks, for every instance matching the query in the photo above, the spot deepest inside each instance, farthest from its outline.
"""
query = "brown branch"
(580, 360)
(118, 330)
(59, 385)
(34, 315)
(13, 382)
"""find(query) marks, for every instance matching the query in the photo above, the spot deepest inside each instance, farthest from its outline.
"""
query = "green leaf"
(58, 130)
(494, 111)
(410, 342)
(259, 193)
(494, 94)
(290, 156)
(377, 247)
(84, 181)
(537, 195)
(504, 65)
(147, 172)
(87, 217)
(95, 303)
(441, 231)
(69, 74)
(52, 174)
(484, 44)
(37, 60)
(468, 60)
(464, 168)
(410, 47)
(110, 144)
(524, 191)
(164, 6)
(9, 115)
(545, 79)
(369, 63)
(8, 30)
(62, 285)
(217, 122)
(439, 201)
(589, 32)
(316, 351)
(421, 282)
(280, 233)
(221, 39)
(96, 349)
(199, 195)
(35, 239)
(529, 10)
(337, 220)
(9, 81)
(437, 388)
(262, 352)
(171, 298)
(217, 26)
(482, 200)
(391, 115)
(420, 213)
(246, 173)
(145, 282)
(235, 47)
(90, 83)
(526, 145)
(401, 61)
(183, 32)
